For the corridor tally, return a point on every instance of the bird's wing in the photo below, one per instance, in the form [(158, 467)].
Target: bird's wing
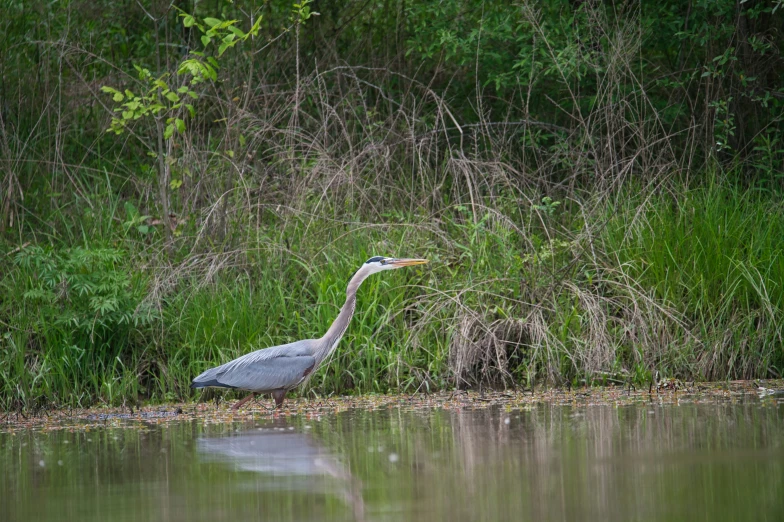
[(269, 369)]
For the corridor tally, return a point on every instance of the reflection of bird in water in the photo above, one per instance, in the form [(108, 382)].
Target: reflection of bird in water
[(282, 454)]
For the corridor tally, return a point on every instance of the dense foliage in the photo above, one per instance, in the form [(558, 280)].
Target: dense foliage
[(597, 184)]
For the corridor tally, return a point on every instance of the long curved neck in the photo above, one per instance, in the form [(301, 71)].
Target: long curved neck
[(339, 326)]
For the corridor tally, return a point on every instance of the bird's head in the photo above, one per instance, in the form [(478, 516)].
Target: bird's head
[(379, 263)]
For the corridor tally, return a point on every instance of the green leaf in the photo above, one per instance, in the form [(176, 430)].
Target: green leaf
[(190, 109), (237, 32), (131, 212), (175, 184), (118, 97), (180, 125), (172, 97), (212, 22), (188, 21), (183, 89), (205, 40), (168, 132), (256, 25)]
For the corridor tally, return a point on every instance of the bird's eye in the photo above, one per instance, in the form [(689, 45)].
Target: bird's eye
[(383, 262)]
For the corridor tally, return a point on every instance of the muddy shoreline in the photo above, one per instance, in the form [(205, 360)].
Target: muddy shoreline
[(668, 393)]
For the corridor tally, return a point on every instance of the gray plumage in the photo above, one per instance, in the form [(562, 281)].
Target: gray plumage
[(278, 369)]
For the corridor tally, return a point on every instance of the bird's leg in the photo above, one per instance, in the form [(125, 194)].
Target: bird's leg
[(279, 395), (243, 401)]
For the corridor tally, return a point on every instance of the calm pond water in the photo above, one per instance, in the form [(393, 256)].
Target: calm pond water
[(645, 462)]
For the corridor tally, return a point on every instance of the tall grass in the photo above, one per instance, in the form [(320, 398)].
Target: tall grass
[(716, 254), (687, 286), (597, 248)]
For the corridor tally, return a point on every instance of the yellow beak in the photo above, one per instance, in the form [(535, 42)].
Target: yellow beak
[(406, 262)]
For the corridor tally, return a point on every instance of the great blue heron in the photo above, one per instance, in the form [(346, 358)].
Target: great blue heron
[(278, 369)]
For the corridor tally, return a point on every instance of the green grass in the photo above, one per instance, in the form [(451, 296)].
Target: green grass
[(688, 286), (716, 255), (596, 229)]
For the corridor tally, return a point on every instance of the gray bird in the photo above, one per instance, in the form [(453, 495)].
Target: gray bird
[(278, 369)]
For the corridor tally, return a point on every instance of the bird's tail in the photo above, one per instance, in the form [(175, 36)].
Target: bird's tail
[(209, 384), (208, 379)]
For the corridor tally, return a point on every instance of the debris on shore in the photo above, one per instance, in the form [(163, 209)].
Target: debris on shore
[(210, 412)]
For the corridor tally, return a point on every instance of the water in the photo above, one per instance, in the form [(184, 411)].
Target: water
[(641, 462)]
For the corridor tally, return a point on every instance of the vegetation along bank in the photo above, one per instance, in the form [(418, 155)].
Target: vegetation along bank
[(598, 188)]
